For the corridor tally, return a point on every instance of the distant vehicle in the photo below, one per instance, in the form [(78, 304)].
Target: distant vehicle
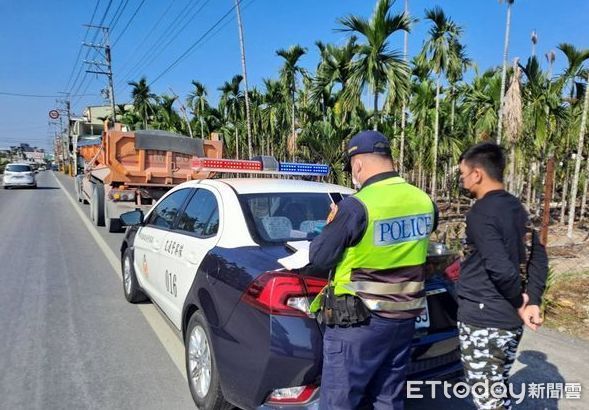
[(16, 175), (42, 168), (206, 254), (126, 170)]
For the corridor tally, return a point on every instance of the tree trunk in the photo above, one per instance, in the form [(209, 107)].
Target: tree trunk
[(402, 143), (504, 71), (529, 185), (375, 109), (294, 136), (511, 183), (573, 200), (585, 186), (202, 128), (563, 199), (236, 144), (436, 136), (453, 110)]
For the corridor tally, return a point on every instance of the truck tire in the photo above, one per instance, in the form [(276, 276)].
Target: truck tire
[(97, 205), (78, 185), (133, 292)]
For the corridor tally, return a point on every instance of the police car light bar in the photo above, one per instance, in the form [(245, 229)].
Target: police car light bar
[(256, 167)]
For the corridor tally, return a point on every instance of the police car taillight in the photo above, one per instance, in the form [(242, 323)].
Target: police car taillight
[(283, 293), (292, 395)]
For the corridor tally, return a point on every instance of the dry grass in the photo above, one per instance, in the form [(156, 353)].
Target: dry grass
[(567, 307)]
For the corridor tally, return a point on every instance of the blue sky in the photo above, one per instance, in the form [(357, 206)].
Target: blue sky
[(40, 41)]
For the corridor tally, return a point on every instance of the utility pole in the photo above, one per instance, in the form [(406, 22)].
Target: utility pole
[(247, 100), (70, 142), (103, 68)]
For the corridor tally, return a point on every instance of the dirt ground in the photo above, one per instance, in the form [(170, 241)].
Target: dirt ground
[(567, 299)]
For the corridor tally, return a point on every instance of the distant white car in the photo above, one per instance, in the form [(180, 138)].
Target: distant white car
[(16, 174)]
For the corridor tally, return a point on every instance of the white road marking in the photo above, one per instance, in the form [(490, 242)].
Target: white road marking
[(167, 337)]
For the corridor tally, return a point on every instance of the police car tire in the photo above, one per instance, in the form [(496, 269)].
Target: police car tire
[(135, 294), (213, 400)]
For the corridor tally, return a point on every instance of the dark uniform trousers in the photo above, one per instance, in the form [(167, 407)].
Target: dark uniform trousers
[(366, 364)]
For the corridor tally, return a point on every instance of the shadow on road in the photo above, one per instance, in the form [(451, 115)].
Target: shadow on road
[(543, 373)]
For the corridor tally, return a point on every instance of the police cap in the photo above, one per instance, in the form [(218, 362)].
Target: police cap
[(366, 142)]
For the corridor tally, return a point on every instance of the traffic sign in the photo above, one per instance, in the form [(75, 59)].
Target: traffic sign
[(54, 114)]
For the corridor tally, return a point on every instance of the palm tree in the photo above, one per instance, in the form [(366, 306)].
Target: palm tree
[(230, 104), (404, 106), (376, 66), (504, 71), (574, 70), (142, 99), (323, 140), (334, 69), (288, 76), (458, 64), (573, 200), (166, 117), (440, 50), (197, 100), (513, 121), (275, 120)]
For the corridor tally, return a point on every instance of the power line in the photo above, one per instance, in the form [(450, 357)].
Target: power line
[(88, 52), (40, 96), (155, 47), (171, 40), (128, 23), (196, 43), (152, 31), (76, 61), (117, 15)]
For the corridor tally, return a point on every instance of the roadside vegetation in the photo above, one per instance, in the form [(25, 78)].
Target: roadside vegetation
[(431, 105)]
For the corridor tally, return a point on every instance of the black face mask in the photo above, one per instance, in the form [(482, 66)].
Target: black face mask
[(464, 192)]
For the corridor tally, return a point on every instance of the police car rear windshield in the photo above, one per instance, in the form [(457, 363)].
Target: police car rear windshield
[(281, 217)]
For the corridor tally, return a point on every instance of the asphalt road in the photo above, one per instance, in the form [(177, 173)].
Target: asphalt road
[(68, 338)]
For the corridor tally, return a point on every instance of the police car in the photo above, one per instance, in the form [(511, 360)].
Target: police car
[(207, 254)]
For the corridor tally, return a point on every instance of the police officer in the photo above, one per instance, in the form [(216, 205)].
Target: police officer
[(374, 246)]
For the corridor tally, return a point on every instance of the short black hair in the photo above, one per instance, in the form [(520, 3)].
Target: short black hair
[(486, 155)]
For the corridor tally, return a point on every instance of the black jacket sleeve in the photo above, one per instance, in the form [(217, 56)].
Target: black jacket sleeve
[(346, 229), (537, 271), (489, 243)]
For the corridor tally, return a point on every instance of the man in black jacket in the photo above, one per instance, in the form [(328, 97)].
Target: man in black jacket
[(493, 303)]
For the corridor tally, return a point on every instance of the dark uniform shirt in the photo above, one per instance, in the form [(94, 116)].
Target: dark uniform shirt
[(489, 289), (346, 230)]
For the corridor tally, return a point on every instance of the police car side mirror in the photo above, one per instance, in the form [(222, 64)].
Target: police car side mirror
[(132, 218)]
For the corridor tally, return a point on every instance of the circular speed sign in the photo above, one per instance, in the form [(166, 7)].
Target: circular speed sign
[(54, 114)]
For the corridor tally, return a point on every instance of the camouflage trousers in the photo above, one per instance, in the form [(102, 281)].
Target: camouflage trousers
[(487, 356)]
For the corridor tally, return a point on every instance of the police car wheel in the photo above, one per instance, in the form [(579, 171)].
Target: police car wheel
[(133, 293), (203, 378)]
